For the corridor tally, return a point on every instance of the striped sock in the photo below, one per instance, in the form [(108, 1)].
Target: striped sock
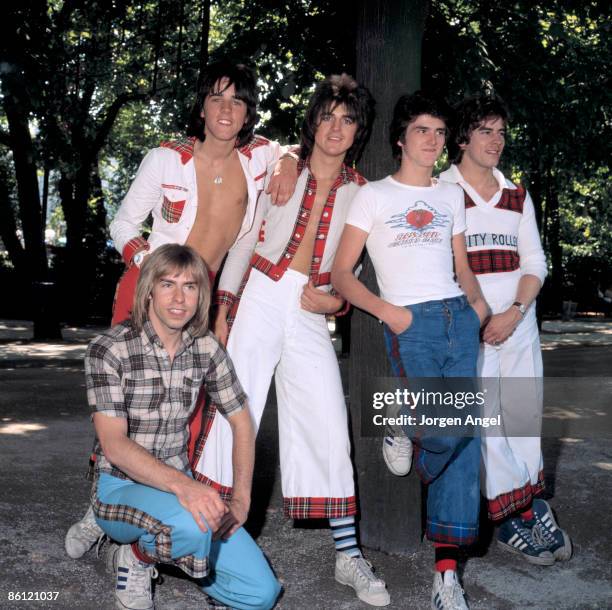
[(446, 556), (345, 535)]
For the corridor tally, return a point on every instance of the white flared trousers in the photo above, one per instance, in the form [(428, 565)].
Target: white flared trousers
[(273, 336), (512, 465)]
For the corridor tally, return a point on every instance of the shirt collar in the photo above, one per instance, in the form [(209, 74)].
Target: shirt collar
[(454, 175), (346, 176), (151, 338)]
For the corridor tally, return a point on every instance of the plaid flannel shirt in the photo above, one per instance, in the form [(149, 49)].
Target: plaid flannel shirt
[(130, 375)]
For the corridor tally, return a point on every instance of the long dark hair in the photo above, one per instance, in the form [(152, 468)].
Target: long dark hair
[(335, 90), (245, 83), (468, 115)]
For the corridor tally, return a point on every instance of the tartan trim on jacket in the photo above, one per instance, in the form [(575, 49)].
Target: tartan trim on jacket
[(252, 144), (451, 533), (135, 245), (493, 261), (506, 504), (319, 508), (183, 146), (222, 297), (171, 211), (191, 565), (511, 199)]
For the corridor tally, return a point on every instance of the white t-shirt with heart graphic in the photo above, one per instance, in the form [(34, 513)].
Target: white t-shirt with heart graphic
[(410, 229)]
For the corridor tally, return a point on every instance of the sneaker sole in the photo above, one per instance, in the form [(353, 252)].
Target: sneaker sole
[(538, 561), (565, 552), (383, 600), (392, 469)]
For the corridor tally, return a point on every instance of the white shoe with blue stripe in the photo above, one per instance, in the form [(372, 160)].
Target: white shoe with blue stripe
[(447, 593), (133, 579)]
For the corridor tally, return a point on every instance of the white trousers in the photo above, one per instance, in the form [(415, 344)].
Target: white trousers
[(273, 336), (512, 465)]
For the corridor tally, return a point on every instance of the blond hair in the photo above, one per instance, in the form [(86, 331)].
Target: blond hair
[(171, 259)]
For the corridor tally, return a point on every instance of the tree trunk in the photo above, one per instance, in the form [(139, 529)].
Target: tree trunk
[(389, 36), (44, 310), (204, 33)]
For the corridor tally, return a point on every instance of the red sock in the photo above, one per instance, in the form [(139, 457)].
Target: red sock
[(527, 515), (140, 554), (446, 556)]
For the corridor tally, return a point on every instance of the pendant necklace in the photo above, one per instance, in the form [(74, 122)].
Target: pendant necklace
[(218, 179)]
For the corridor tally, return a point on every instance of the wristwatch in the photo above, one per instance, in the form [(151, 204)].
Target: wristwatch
[(138, 257), (520, 306)]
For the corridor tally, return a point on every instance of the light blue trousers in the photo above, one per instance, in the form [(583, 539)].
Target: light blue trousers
[(240, 576)]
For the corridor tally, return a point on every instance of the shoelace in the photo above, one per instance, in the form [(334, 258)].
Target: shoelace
[(363, 570), (140, 581), (542, 536), (527, 534), (452, 596), (404, 445), (90, 529), (100, 543)]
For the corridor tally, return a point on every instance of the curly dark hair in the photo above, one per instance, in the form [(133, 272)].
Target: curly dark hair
[(335, 90), (468, 115), (407, 109), (245, 83)]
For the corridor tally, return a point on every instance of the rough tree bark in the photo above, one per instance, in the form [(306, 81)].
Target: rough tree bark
[(389, 36)]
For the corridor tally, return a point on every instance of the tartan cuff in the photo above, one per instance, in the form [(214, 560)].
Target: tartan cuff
[(222, 297), (135, 245)]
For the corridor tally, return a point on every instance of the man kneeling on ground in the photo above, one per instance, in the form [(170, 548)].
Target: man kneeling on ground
[(143, 378)]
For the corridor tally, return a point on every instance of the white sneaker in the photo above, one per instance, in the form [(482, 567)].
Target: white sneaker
[(133, 579), (357, 572), (397, 452), (82, 535), (447, 593)]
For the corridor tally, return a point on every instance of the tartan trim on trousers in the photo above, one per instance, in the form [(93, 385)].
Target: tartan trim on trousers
[(191, 565), (511, 200), (319, 508), (224, 491), (504, 505), (172, 211), (451, 533), (493, 261)]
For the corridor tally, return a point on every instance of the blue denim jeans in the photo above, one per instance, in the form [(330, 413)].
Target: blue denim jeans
[(443, 341)]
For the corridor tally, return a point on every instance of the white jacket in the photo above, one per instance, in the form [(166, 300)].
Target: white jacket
[(165, 186), (277, 232)]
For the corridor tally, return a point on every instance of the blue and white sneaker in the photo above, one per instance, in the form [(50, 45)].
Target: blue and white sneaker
[(548, 533), (515, 536), (397, 453), (133, 579), (447, 593)]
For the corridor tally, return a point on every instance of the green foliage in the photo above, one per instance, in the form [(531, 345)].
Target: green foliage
[(103, 82), (550, 62)]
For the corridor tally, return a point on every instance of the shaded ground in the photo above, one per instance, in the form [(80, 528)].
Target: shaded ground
[(45, 436)]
